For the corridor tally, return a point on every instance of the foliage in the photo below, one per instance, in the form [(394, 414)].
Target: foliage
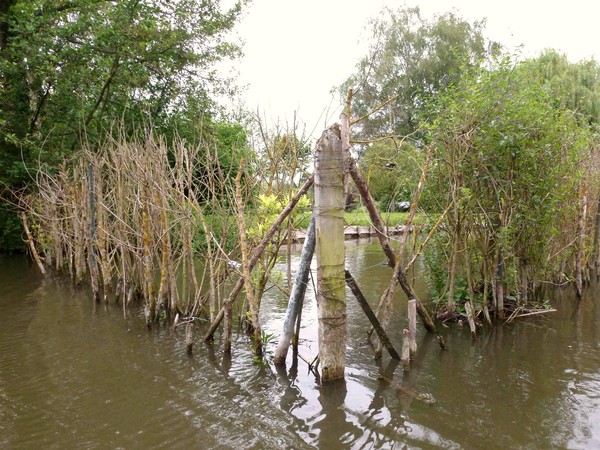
[(509, 166), (412, 60), (574, 86), (70, 69), (391, 171)]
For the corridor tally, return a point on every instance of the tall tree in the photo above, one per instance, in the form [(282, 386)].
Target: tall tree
[(70, 67), (412, 60)]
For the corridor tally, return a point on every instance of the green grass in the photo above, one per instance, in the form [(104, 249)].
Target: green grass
[(360, 217)]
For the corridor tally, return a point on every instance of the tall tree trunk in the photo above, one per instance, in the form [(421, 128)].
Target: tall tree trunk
[(329, 223)]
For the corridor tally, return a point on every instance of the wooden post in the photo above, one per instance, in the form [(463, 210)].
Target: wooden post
[(371, 315), (296, 294), (469, 311), (412, 326), (329, 224), (405, 350)]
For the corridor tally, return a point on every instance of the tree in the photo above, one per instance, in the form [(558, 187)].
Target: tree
[(508, 164), (392, 171), (575, 86), (411, 61), (75, 67)]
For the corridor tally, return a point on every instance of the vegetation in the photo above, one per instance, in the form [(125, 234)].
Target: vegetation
[(411, 61), (70, 69), (502, 154), (514, 155), (514, 170)]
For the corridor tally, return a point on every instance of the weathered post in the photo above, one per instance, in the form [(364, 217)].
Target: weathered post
[(329, 225), (470, 318), (405, 350), (297, 294), (412, 326)]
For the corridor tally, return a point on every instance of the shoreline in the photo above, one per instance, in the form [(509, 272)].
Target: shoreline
[(355, 232)]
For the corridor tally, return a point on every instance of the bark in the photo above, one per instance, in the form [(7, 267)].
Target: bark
[(329, 225), (412, 326)]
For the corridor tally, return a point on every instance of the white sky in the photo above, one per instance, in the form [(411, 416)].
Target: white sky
[(296, 51)]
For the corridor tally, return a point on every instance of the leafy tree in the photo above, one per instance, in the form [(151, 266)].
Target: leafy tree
[(575, 86), (70, 67), (392, 171), (508, 164), (412, 60)]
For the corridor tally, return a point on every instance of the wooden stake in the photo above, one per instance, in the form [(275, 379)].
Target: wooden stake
[(405, 350), (362, 301), (469, 311), (296, 294), (329, 225), (412, 326)]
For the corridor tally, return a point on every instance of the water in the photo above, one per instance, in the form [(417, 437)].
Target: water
[(78, 375)]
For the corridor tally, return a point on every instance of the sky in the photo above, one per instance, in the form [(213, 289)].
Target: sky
[(297, 51)]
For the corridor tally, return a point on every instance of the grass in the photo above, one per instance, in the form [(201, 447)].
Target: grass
[(360, 217)]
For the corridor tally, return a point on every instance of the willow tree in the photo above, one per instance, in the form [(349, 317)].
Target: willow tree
[(508, 163), (411, 60)]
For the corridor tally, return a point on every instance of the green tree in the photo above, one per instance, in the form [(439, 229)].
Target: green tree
[(575, 86), (75, 67), (412, 60), (508, 163)]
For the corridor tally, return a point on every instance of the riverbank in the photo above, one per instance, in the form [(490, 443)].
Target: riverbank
[(355, 232)]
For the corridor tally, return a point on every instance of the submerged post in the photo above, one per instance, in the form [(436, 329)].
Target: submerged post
[(412, 326), (329, 225)]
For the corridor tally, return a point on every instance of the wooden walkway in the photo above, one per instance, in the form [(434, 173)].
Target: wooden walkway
[(356, 232)]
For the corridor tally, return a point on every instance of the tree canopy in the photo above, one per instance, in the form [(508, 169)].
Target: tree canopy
[(412, 60), (75, 67)]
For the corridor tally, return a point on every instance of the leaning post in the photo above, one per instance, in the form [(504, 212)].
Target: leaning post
[(329, 227), (297, 294)]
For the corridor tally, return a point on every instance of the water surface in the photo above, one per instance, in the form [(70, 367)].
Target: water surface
[(78, 375)]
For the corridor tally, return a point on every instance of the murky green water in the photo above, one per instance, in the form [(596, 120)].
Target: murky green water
[(78, 375)]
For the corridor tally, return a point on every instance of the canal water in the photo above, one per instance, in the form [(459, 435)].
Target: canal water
[(78, 375)]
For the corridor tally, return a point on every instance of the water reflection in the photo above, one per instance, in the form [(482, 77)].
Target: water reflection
[(73, 374)]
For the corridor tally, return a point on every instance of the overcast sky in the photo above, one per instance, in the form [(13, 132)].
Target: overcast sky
[(297, 50)]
